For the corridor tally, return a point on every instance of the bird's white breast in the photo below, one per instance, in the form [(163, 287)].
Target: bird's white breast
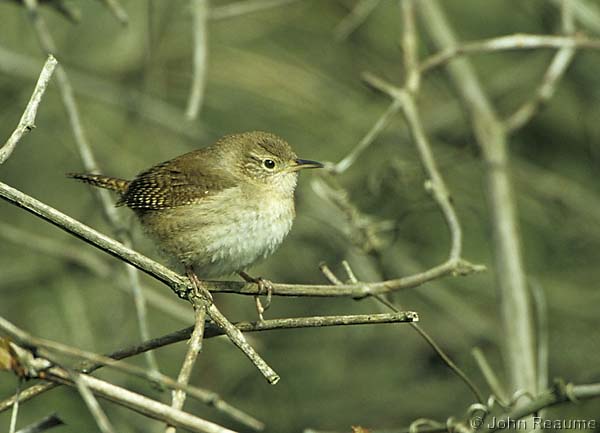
[(225, 234)]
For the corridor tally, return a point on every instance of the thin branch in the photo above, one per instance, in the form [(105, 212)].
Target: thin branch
[(94, 407), (490, 376), (521, 41), (237, 338), (15, 410), (140, 302), (492, 140), (27, 122), (140, 404), (213, 330), (194, 348), (438, 350), (245, 7), (36, 366), (435, 185), (445, 358), (47, 347), (559, 65), (345, 163), (358, 15), (117, 10), (181, 285), (200, 17), (42, 425)]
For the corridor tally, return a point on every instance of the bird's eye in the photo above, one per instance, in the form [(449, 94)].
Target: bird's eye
[(269, 163)]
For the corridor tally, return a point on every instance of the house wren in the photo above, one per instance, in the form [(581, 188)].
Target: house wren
[(219, 209)]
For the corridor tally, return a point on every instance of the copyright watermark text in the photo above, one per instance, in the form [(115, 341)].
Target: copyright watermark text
[(535, 422)]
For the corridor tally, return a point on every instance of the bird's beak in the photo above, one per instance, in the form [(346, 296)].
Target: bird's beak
[(300, 164)]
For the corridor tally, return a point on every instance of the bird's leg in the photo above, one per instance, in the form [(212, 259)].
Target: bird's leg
[(263, 285), (199, 290)]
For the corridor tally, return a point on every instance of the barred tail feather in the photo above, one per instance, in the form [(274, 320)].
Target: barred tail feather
[(107, 182)]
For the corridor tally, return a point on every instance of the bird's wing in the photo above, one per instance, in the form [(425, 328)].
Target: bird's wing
[(176, 183)]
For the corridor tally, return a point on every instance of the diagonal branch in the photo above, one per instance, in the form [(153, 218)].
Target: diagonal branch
[(492, 139), (521, 41), (213, 331), (27, 122), (435, 184), (194, 348)]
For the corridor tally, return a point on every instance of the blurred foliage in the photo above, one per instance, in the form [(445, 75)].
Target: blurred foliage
[(282, 70)]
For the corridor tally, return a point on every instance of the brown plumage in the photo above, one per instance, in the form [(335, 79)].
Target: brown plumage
[(220, 208)]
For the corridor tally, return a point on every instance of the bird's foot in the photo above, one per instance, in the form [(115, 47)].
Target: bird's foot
[(199, 290), (264, 286)]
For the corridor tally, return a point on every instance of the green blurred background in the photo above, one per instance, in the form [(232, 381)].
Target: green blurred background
[(282, 70)]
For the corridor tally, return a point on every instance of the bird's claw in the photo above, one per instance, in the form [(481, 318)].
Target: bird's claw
[(264, 286)]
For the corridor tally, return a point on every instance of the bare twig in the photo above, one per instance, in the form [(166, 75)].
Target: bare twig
[(94, 407), (559, 65), (15, 410), (328, 273), (194, 348), (213, 330), (139, 403), (200, 17), (237, 338), (520, 41), (492, 140), (360, 12), (45, 348), (40, 367), (445, 358), (244, 7), (490, 376), (27, 122), (438, 350), (366, 141), (435, 185)]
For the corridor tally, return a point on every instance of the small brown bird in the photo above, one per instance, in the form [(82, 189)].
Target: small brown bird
[(219, 209)]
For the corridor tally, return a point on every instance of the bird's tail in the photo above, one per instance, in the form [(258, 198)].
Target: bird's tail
[(107, 182)]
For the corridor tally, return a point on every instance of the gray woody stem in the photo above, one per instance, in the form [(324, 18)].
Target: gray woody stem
[(213, 331), (27, 122), (492, 139), (194, 348)]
